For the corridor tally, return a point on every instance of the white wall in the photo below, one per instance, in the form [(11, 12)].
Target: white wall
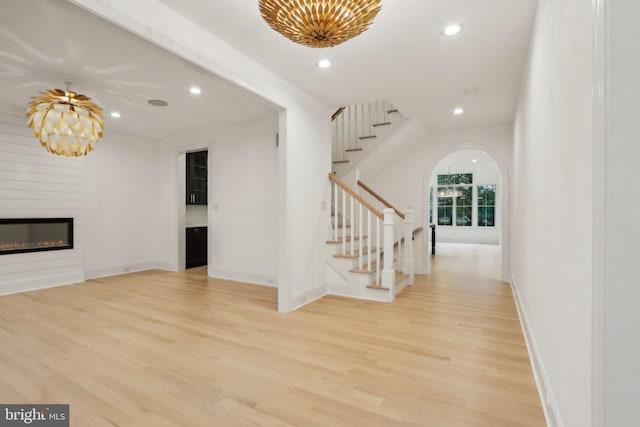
[(36, 184), (621, 290), (305, 136), (244, 203), (121, 192), (552, 207), (405, 180)]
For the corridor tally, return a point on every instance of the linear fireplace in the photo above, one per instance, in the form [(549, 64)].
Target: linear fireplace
[(35, 235)]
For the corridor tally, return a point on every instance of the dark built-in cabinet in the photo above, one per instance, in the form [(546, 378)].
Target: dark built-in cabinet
[(196, 246), (197, 178)]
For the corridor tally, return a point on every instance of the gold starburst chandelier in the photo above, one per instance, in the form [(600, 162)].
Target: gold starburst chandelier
[(319, 23), (65, 122)]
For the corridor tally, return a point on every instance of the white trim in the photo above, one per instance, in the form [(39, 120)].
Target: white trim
[(600, 126), (382, 301), (308, 297), (549, 405), (239, 276), (116, 270), (41, 282)]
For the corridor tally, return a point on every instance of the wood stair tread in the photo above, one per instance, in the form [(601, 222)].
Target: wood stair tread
[(374, 286), (349, 150), (348, 239), (367, 137), (342, 226), (340, 161), (364, 270), (392, 111), (381, 124), (355, 254), (399, 276)]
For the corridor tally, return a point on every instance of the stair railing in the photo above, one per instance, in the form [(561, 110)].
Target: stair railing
[(352, 124), (372, 225), (403, 228)]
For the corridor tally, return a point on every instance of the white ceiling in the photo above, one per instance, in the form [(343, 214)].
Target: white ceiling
[(41, 40), (402, 58)]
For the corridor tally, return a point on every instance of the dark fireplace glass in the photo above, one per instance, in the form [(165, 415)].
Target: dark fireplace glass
[(35, 234)]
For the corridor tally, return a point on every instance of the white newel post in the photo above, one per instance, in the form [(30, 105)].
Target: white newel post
[(407, 266), (388, 275)]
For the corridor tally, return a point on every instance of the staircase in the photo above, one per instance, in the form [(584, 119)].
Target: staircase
[(370, 242), (370, 250), (358, 129)]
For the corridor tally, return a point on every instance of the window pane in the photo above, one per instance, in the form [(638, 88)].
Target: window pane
[(463, 216), (465, 178), (445, 201), (445, 215), (467, 196), (486, 205), (486, 195), (442, 180)]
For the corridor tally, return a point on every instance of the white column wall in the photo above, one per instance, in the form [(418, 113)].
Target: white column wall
[(121, 205), (243, 203), (552, 220), (621, 206)]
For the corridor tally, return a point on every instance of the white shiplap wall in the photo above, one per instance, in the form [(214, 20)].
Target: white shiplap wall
[(36, 184)]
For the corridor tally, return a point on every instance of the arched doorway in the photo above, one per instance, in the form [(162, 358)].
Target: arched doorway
[(466, 196)]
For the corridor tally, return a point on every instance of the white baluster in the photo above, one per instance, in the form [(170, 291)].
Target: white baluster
[(344, 222), (364, 120), (408, 256), (335, 211), (388, 274), (352, 216), (360, 243), (355, 127), (343, 136), (335, 140), (368, 240), (398, 231), (378, 252)]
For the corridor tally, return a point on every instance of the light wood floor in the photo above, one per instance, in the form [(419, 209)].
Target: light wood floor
[(178, 349)]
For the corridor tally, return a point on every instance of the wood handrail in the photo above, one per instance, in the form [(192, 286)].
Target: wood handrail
[(345, 187), (337, 113), (380, 199)]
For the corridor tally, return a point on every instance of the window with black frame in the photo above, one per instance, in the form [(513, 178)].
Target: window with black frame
[(455, 199), (486, 205)]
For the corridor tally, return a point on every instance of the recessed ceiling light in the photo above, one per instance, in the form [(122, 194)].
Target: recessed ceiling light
[(458, 111), (324, 63), (158, 102), (195, 90), (115, 115), (470, 91), (474, 161), (452, 30)]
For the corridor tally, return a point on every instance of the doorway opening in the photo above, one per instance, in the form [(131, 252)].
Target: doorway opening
[(466, 196)]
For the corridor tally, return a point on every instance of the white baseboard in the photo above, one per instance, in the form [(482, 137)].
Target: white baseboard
[(115, 270), (308, 297), (41, 282), (239, 276), (549, 405)]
